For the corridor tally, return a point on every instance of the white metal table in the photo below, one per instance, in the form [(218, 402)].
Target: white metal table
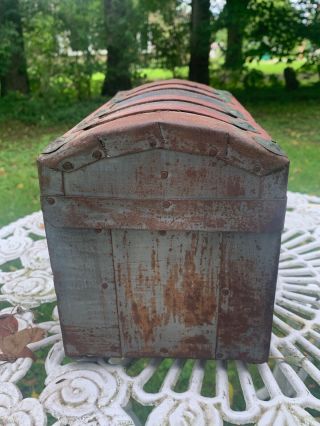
[(284, 391)]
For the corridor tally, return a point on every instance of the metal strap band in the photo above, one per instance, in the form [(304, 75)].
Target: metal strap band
[(202, 215)]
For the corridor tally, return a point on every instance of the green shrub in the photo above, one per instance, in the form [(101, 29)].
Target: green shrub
[(45, 111), (253, 79)]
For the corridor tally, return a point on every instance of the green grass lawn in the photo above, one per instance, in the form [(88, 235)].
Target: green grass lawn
[(266, 66), (274, 66), (21, 141), (19, 191), (295, 126), (152, 74)]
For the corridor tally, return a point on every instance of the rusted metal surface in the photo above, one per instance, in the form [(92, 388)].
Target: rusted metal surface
[(84, 282), (163, 211), (168, 130), (196, 215), (166, 291), (166, 104), (247, 279)]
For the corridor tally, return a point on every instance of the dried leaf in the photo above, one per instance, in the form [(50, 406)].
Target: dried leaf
[(8, 325), (14, 345)]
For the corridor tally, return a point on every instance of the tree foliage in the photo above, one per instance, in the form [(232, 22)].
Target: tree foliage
[(310, 30), (8, 35), (13, 68), (59, 45), (169, 35), (63, 39), (273, 28)]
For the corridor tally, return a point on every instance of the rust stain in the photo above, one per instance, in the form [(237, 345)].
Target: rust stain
[(234, 186), (143, 320), (188, 294), (254, 215), (188, 297), (196, 340), (86, 341), (153, 260), (196, 173)]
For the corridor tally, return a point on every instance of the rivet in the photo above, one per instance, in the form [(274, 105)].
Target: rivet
[(225, 291), (104, 285), (219, 355), (164, 174), (152, 144), (97, 154), (98, 230), (257, 168), (50, 200), (67, 165), (166, 204)]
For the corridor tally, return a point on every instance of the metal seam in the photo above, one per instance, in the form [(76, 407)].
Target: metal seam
[(116, 294)]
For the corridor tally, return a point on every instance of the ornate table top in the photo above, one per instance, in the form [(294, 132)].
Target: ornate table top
[(284, 391)]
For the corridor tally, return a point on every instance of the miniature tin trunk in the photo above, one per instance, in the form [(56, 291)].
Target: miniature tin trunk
[(163, 213)]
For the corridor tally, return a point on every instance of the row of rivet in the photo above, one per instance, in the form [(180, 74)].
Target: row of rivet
[(97, 155), (67, 166)]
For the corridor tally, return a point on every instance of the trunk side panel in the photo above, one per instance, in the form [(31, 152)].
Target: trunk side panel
[(81, 260), (167, 285), (249, 266)]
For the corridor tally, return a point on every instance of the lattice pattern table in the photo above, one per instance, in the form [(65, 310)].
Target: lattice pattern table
[(284, 391)]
